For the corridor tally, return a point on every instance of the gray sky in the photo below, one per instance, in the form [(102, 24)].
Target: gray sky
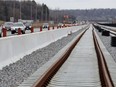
[(78, 4)]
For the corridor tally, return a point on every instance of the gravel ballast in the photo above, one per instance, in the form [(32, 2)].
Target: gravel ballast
[(107, 43), (16, 73)]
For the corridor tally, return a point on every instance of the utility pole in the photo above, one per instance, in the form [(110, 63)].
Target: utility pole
[(6, 11), (46, 13), (31, 10), (20, 9), (36, 11), (42, 12), (14, 10), (56, 15)]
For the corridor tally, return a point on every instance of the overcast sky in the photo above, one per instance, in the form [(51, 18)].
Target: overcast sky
[(78, 4)]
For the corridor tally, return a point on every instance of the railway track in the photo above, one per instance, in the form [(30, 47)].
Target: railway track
[(105, 77), (81, 64), (112, 31)]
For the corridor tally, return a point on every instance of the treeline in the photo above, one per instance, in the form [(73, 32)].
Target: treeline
[(29, 9), (24, 9), (87, 14), (62, 16)]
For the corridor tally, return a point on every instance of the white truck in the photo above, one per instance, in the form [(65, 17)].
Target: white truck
[(45, 25)]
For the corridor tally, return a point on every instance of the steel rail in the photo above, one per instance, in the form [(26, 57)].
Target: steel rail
[(110, 30), (105, 77)]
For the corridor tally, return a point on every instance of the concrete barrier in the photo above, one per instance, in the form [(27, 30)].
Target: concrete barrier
[(15, 47)]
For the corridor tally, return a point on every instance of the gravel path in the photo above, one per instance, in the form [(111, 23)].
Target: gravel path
[(16, 73), (107, 42)]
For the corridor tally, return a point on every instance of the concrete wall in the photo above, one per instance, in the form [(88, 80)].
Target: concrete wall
[(15, 47)]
